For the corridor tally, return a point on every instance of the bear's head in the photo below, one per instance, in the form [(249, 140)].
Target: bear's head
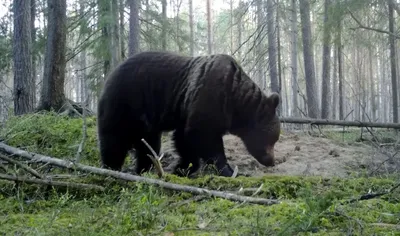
[(260, 139)]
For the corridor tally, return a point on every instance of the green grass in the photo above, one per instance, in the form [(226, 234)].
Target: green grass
[(310, 205)]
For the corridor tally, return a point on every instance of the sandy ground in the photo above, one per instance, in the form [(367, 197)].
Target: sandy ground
[(301, 154)]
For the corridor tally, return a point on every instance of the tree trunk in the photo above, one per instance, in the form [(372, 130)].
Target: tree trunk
[(334, 85), (121, 28), (114, 45), (325, 96), (311, 88), (52, 95), (340, 70), (239, 29), (392, 44), (272, 47), (34, 57), (295, 86), (209, 28), (164, 25), (279, 58), (259, 52), (191, 27), (134, 27), (372, 85), (24, 92)]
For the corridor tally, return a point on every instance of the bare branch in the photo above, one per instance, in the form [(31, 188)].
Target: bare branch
[(124, 176), (360, 25), (25, 167), (51, 183)]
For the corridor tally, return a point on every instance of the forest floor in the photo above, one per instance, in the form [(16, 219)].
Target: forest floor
[(300, 154), (325, 186)]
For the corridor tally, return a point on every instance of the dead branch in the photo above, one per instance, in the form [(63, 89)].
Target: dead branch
[(155, 159), (369, 196), (84, 133), (124, 176), (384, 225), (52, 183), (338, 122), (25, 167)]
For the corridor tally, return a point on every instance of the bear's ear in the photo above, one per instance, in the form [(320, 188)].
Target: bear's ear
[(273, 100)]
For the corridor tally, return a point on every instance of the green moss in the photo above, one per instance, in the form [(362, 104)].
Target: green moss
[(51, 134), (310, 205)]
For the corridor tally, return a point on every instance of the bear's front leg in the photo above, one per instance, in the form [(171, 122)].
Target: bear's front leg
[(195, 144)]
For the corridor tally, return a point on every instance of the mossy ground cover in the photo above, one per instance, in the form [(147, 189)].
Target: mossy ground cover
[(310, 205)]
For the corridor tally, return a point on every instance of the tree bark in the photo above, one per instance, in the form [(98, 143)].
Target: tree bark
[(311, 88), (52, 94), (134, 27), (34, 54), (121, 28), (295, 86), (334, 85), (340, 70), (392, 44), (272, 47), (325, 96), (259, 52), (209, 28), (191, 28), (24, 93), (164, 25)]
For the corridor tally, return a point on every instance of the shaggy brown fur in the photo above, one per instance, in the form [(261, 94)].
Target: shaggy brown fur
[(200, 98)]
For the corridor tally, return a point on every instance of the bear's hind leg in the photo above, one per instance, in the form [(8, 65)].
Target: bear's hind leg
[(113, 150), (213, 153), (143, 162)]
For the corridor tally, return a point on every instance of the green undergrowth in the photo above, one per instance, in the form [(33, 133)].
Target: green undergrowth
[(309, 205)]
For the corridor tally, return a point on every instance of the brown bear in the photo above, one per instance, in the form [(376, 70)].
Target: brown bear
[(199, 98)]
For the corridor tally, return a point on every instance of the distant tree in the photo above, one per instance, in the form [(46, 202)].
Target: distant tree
[(134, 27), (325, 95), (52, 93), (293, 59), (209, 28), (311, 88), (272, 47), (393, 62), (191, 28)]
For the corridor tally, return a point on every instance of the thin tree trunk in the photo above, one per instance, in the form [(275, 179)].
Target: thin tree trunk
[(372, 85), (191, 28), (24, 92), (114, 47), (311, 88), (392, 44), (134, 27), (295, 85), (164, 25), (334, 86), (272, 47), (325, 96), (209, 28), (259, 52), (34, 71), (340, 71), (121, 27)]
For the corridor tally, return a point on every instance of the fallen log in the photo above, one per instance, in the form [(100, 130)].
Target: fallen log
[(34, 157), (310, 121)]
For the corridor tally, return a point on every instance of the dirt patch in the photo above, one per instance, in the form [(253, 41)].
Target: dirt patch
[(298, 154)]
